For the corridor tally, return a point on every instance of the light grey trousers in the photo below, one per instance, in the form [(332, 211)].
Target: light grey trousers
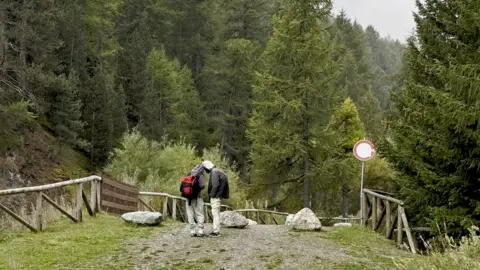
[(195, 213)]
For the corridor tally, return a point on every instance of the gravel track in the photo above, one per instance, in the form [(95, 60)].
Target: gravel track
[(255, 247)]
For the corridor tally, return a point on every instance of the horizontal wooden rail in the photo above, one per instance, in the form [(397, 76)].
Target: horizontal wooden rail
[(262, 211), (383, 197), (161, 194), (49, 186), (378, 210), (81, 198)]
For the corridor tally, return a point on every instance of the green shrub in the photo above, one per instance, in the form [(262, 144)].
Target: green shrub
[(465, 255), (159, 166)]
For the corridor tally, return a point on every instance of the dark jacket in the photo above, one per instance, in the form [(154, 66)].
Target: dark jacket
[(218, 185)]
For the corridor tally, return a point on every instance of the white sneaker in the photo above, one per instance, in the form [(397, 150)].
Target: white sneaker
[(192, 233), (200, 233)]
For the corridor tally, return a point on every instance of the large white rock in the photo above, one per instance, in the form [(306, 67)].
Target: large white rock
[(288, 221), (231, 219), (143, 217), (251, 222), (306, 220)]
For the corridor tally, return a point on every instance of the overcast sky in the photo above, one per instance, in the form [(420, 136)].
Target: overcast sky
[(389, 17)]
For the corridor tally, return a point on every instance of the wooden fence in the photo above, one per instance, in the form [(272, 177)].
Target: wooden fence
[(81, 198), (174, 206), (374, 202), (118, 197)]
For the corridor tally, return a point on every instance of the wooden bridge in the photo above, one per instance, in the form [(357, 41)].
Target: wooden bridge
[(116, 198)]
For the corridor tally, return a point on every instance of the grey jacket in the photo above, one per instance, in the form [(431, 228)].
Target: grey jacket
[(198, 171), (218, 184)]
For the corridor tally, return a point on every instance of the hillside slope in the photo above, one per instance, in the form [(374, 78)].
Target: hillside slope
[(40, 160)]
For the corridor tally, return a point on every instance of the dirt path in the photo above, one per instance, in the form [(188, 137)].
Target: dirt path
[(256, 247)]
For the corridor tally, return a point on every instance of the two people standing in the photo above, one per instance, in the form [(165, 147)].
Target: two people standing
[(218, 189)]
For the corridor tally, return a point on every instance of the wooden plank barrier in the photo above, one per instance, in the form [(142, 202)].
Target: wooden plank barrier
[(375, 203), (92, 206), (174, 207), (117, 197)]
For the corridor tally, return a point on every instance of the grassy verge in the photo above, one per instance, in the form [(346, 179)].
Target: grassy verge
[(73, 246), (465, 255), (369, 249)]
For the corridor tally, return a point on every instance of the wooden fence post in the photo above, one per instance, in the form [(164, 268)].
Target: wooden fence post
[(99, 195), (374, 212), (93, 196), (399, 226), (165, 207), (174, 208), (388, 218), (365, 210), (79, 202), (407, 231), (38, 212)]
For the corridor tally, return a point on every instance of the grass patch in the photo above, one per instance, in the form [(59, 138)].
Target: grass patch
[(69, 245), (372, 249), (457, 256)]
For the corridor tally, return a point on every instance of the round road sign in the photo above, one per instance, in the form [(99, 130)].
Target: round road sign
[(364, 150)]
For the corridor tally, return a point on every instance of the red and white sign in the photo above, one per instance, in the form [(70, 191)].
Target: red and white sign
[(364, 150)]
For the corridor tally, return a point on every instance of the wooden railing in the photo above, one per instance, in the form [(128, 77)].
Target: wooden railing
[(263, 219), (92, 207), (173, 208), (373, 202)]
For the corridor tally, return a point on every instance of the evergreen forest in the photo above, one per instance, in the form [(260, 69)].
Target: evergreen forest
[(275, 92)]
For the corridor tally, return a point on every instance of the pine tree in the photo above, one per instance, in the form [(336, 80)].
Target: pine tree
[(347, 130), (171, 106), (435, 142), (67, 111), (356, 76), (229, 96), (372, 115), (292, 94)]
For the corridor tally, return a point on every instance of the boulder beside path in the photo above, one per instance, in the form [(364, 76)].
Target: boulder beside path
[(143, 218), (231, 219), (304, 220)]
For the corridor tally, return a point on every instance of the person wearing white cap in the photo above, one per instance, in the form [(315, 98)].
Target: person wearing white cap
[(217, 190)]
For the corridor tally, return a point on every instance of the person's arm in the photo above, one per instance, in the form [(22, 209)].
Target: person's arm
[(215, 184), (201, 181)]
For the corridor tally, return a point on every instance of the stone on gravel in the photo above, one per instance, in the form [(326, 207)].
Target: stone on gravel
[(288, 221), (143, 217), (306, 220), (231, 219), (251, 222), (342, 224)]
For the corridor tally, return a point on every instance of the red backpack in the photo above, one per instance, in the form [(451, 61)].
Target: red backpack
[(187, 186)]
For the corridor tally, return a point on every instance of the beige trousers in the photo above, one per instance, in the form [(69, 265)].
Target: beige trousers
[(215, 202)]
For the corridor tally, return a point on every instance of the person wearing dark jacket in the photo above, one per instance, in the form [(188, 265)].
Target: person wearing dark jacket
[(195, 205), (217, 190)]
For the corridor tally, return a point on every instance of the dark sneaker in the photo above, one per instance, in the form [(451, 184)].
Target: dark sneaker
[(214, 234)]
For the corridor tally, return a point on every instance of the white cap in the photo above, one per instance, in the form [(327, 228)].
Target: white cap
[(208, 164)]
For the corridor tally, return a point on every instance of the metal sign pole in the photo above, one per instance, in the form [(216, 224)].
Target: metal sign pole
[(361, 192)]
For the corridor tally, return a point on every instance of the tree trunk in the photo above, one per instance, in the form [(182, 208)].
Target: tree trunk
[(306, 183), (23, 49), (275, 191), (345, 200)]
